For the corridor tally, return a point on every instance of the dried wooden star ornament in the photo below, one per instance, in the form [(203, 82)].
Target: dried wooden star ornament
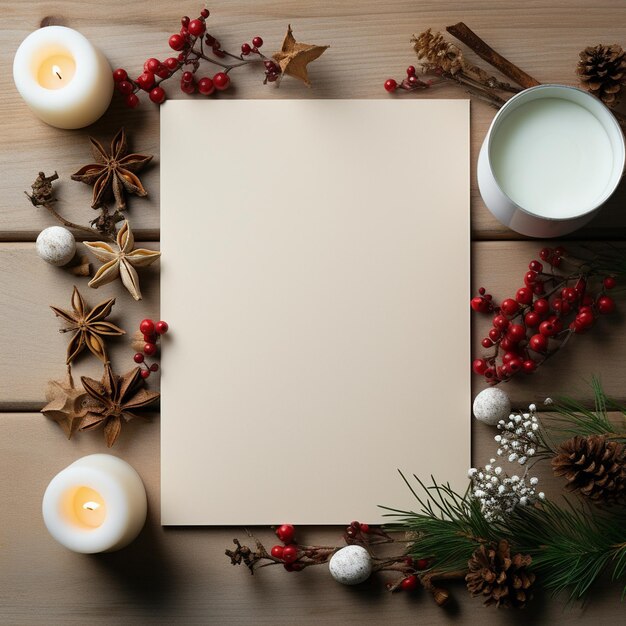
[(121, 262), (89, 326), (114, 172), (116, 398), (294, 57), (67, 405)]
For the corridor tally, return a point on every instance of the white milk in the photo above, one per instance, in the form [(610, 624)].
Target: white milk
[(552, 157)]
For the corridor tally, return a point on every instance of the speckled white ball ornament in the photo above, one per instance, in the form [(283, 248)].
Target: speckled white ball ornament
[(350, 565), (492, 405), (56, 245)]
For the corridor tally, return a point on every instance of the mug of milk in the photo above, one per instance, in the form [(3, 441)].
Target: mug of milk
[(553, 155)]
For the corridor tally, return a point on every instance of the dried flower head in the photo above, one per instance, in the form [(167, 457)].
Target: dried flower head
[(436, 53), (519, 436)]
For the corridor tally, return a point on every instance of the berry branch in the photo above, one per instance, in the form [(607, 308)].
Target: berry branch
[(535, 324), (190, 43)]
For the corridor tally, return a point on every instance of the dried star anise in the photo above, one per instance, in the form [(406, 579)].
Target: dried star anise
[(113, 172), (116, 398), (88, 326)]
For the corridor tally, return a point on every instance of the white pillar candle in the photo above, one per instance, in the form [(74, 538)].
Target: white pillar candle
[(64, 79), (97, 504)]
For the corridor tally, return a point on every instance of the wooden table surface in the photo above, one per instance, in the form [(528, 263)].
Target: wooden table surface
[(178, 575)]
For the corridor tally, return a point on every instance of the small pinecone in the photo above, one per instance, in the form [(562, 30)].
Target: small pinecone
[(602, 71), (594, 466), (437, 52), (502, 579)]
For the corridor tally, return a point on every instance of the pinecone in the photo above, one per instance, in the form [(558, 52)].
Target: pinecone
[(594, 466), (602, 71), (438, 53), (502, 579)]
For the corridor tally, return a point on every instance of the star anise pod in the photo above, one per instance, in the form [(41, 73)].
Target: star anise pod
[(113, 172), (88, 326), (116, 398), (121, 262), (294, 56)]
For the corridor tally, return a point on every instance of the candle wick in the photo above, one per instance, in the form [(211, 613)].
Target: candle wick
[(59, 75)]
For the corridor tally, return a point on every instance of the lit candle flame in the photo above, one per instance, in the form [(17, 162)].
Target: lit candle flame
[(91, 506), (57, 70)]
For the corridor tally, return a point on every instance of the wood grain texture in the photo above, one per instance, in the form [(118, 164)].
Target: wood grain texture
[(180, 575), (369, 42)]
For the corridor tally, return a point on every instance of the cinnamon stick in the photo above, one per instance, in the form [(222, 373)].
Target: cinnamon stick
[(466, 35)]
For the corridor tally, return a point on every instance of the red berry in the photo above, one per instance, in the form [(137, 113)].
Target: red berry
[(516, 332), (561, 306), (144, 373), (391, 85), (277, 552), (205, 13), (131, 100), (609, 282), (507, 344), (559, 251), (138, 358), (489, 373), (146, 81), (479, 366), (524, 295), (538, 343), (486, 342), (184, 20), (532, 319), (157, 95), (535, 266), (125, 87), (154, 367), (529, 366), (545, 254), (205, 86), (286, 533), (539, 288), (569, 293), (530, 278), (547, 329), (494, 334), (161, 327), (499, 321), (606, 305), (422, 563), (365, 528), (509, 306), (188, 88), (508, 357), (542, 306), (556, 261), (410, 71), (245, 49), (171, 63), (585, 319), (119, 75), (514, 365), (150, 349), (480, 305), (177, 42), (146, 326), (151, 65), (290, 553), (221, 81), (409, 583), (257, 41), (196, 28), (187, 77)]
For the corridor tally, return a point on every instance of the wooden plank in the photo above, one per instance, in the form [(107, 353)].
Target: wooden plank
[(369, 42), (180, 575), (33, 350)]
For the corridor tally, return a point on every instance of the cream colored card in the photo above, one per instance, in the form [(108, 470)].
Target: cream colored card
[(315, 276)]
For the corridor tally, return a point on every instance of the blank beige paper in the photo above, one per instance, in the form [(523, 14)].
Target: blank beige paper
[(315, 277)]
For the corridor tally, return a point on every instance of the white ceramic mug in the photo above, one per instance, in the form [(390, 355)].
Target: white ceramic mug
[(553, 155)]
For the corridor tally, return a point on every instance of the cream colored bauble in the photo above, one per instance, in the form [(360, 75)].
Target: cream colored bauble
[(351, 565), (492, 405), (56, 245)]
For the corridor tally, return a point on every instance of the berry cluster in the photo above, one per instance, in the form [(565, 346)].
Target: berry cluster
[(289, 552), (534, 324), (151, 332), (410, 83), (191, 44)]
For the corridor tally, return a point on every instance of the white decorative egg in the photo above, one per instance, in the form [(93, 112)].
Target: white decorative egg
[(492, 405), (56, 245), (350, 565)]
